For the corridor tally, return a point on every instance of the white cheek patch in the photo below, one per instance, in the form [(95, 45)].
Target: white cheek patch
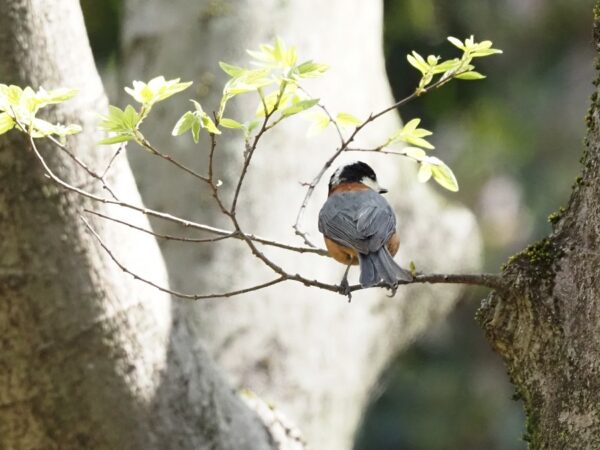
[(335, 178), (371, 183)]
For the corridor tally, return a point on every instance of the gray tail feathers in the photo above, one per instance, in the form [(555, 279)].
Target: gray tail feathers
[(380, 266)]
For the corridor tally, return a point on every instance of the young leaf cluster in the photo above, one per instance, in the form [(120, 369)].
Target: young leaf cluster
[(429, 166), (276, 78), (124, 123), (19, 107), (460, 68)]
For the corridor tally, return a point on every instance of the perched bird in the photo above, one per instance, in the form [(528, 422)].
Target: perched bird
[(359, 226)]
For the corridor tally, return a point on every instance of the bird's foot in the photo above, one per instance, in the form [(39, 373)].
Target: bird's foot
[(344, 289), (392, 290)]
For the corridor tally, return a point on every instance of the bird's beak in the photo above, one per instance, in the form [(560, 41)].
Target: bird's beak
[(382, 190)]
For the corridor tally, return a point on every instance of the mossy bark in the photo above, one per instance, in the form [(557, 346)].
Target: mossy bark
[(546, 324)]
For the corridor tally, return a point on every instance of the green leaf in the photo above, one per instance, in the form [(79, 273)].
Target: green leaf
[(184, 123), (12, 94), (310, 69), (54, 96), (345, 119), (116, 139), (300, 106), (412, 268), (414, 153), (417, 141), (251, 125), (269, 101), (131, 118), (451, 64), (196, 126), (456, 42), (471, 75), (209, 125), (424, 173), (443, 175), (487, 52), (66, 130), (156, 90), (432, 60), (418, 62), (6, 123), (411, 126), (277, 55), (230, 123), (115, 121), (230, 69), (319, 121), (412, 135)]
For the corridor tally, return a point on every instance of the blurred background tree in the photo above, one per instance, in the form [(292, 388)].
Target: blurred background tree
[(513, 142)]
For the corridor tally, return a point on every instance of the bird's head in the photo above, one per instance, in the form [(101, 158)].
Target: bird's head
[(355, 172)]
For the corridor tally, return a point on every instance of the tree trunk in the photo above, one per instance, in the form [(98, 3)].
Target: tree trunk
[(309, 351), (89, 358), (546, 324)]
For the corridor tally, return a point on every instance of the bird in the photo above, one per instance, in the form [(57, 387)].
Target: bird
[(359, 227)]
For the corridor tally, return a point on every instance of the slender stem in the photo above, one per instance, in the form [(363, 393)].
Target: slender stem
[(84, 166), (162, 215), (170, 291), (344, 146), (487, 280), (167, 237), (114, 157), (250, 151), (144, 142)]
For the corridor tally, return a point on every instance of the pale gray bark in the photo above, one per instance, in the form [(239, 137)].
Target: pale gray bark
[(89, 358), (310, 352), (546, 325)]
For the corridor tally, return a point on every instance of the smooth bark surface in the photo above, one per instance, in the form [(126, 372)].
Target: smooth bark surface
[(89, 358), (312, 354), (546, 325)]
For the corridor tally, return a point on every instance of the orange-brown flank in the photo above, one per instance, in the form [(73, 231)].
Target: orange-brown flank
[(347, 255)]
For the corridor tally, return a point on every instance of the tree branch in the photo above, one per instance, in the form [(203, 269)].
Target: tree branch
[(344, 143), (170, 291), (166, 216), (487, 280)]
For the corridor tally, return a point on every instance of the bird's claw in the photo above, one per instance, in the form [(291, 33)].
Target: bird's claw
[(345, 289), (392, 290)]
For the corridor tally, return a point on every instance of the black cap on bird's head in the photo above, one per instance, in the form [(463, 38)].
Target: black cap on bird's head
[(355, 172)]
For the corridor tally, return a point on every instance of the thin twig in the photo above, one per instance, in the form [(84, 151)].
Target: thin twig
[(167, 237), (110, 163), (250, 152), (144, 142), (162, 215), (327, 113), (487, 280), (83, 165), (170, 291), (344, 145)]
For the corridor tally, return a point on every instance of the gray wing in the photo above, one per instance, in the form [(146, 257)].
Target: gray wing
[(361, 220)]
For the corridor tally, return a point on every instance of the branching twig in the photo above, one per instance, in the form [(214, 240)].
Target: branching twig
[(250, 151), (344, 146), (112, 160), (162, 215), (487, 280), (144, 142), (166, 237), (170, 291), (84, 166)]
